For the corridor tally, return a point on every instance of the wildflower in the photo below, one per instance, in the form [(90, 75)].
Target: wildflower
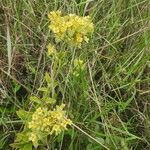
[(71, 28), (79, 38), (60, 120), (54, 14), (33, 137), (48, 122), (51, 49)]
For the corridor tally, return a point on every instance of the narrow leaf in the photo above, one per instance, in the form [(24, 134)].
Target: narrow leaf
[(35, 99), (47, 78)]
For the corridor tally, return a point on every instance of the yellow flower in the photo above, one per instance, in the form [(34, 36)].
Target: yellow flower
[(56, 129), (51, 49), (71, 28), (31, 125), (69, 24), (48, 121), (54, 14), (33, 137), (39, 111), (79, 38), (61, 122), (55, 29)]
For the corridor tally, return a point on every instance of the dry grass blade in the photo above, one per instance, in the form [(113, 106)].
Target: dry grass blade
[(9, 49)]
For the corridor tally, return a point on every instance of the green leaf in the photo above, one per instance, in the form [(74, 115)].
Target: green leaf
[(27, 146), (22, 145), (24, 115), (22, 137), (49, 100), (22, 141), (43, 89), (17, 87), (47, 78), (35, 99)]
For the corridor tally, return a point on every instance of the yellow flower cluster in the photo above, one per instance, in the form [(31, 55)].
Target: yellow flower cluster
[(71, 28), (33, 137), (48, 122)]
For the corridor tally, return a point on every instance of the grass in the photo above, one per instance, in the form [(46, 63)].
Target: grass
[(110, 103)]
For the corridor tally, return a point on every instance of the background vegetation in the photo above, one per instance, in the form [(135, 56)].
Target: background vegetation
[(110, 101)]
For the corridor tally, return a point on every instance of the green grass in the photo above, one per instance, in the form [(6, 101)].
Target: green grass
[(110, 103)]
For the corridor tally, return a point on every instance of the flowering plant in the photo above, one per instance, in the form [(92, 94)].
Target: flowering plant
[(46, 119), (71, 28)]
